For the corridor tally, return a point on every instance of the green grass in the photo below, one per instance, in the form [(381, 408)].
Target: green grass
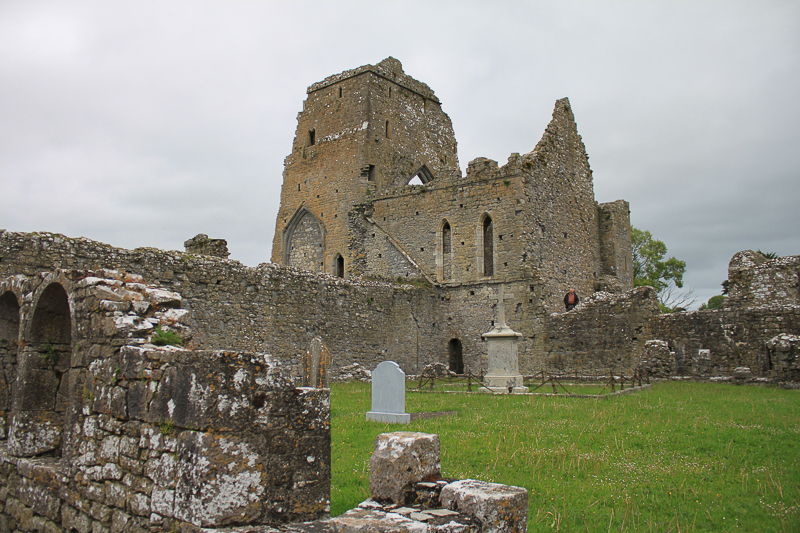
[(678, 457)]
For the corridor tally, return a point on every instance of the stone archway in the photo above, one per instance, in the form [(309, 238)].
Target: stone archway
[(304, 241), (40, 399)]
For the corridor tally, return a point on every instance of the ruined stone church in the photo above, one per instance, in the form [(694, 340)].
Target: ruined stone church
[(373, 188), (383, 250)]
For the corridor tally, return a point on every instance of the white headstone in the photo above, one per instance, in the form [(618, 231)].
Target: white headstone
[(389, 394)]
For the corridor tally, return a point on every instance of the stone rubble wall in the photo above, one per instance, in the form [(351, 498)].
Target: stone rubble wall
[(203, 245), (715, 342), (763, 303), (756, 281), (605, 333), (407, 494)]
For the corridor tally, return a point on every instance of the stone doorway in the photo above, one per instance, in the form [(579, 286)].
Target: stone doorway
[(455, 356)]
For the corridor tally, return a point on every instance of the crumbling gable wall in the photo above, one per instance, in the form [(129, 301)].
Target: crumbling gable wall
[(533, 217), (106, 431)]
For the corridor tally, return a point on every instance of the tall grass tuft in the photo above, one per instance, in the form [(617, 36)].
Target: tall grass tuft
[(683, 457)]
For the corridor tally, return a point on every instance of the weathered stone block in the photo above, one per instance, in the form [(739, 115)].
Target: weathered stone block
[(401, 459), (501, 508)]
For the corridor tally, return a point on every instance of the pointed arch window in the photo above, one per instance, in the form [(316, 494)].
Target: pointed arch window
[(304, 241)]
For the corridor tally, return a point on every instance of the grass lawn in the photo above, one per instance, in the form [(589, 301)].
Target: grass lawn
[(677, 457)]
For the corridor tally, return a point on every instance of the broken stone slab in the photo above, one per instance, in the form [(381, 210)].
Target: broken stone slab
[(501, 508), (361, 520), (400, 460)]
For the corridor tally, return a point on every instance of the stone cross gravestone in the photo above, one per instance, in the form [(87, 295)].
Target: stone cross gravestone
[(503, 375), (316, 362), (389, 394)]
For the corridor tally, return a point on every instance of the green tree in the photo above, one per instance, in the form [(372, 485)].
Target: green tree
[(715, 302), (665, 276)]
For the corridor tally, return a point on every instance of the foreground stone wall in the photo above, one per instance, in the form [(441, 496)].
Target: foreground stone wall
[(104, 431), (143, 454)]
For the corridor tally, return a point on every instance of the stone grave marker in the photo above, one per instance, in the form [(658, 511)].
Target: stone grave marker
[(316, 362), (389, 394)]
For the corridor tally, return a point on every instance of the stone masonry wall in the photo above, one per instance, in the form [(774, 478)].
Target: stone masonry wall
[(717, 341), (763, 303), (271, 308)]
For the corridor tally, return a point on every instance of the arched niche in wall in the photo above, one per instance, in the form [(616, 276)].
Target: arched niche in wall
[(444, 252), (40, 399), (304, 241), (9, 346), (485, 246)]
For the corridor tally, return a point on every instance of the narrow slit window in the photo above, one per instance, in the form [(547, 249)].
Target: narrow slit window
[(488, 247), (312, 137)]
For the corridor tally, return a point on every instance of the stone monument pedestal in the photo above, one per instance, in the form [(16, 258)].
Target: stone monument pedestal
[(503, 375)]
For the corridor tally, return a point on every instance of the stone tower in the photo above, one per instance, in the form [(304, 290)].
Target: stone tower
[(361, 132)]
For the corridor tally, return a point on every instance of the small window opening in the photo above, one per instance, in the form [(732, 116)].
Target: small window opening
[(368, 172), (340, 92), (388, 130), (422, 176), (312, 137)]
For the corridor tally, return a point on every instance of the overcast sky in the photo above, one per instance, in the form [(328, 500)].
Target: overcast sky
[(144, 123)]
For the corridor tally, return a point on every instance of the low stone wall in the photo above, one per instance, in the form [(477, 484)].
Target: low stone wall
[(715, 342)]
